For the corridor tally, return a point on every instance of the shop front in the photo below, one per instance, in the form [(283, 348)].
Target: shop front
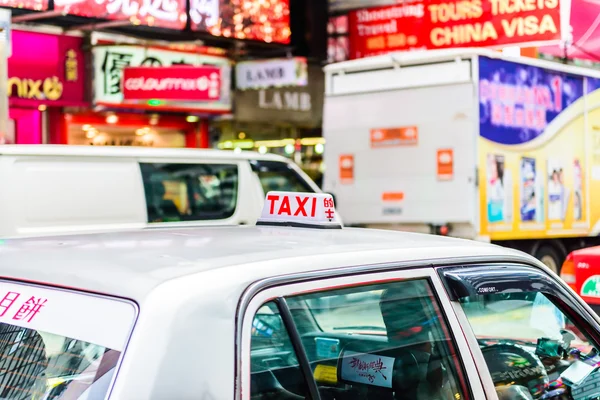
[(149, 96), (46, 74), (283, 120)]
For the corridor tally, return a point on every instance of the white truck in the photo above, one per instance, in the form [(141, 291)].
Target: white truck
[(468, 143)]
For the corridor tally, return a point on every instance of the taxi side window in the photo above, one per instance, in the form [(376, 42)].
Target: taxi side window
[(532, 347), (275, 370), (190, 192), (384, 341)]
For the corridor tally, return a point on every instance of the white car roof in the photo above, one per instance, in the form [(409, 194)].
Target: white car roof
[(131, 264), (132, 151)]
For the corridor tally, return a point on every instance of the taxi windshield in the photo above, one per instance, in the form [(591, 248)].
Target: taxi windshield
[(39, 365)]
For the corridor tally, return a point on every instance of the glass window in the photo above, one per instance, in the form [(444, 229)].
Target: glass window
[(39, 365), (380, 341), (275, 370), (190, 192), (279, 176), (532, 348)]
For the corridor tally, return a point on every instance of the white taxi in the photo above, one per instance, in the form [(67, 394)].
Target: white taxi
[(297, 307)]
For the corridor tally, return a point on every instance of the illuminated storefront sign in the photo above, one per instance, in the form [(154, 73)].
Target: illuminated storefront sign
[(264, 20), (111, 61), (441, 24), (37, 5), (160, 13), (52, 74), (269, 73)]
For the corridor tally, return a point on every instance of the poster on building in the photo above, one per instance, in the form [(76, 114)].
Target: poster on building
[(53, 74), (162, 14), (263, 20), (439, 24), (110, 62), (532, 127)]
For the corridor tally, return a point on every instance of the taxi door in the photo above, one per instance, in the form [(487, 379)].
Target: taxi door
[(528, 333), (380, 335)]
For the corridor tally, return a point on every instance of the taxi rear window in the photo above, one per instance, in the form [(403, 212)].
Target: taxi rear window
[(59, 345)]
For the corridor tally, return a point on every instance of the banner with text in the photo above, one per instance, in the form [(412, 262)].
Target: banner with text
[(439, 24), (172, 83)]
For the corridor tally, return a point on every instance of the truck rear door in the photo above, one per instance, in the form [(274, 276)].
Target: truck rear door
[(401, 144)]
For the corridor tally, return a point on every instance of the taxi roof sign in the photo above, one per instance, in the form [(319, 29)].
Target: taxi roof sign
[(316, 210)]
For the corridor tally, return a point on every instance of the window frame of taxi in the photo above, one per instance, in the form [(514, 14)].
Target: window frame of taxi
[(63, 297), (290, 286)]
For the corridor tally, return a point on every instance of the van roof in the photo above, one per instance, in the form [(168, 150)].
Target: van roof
[(403, 58), (130, 151), (131, 264)]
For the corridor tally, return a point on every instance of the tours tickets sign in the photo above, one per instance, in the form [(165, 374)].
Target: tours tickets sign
[(438, 24)]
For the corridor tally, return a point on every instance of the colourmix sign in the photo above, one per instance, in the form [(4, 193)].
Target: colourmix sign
[(439, 24), (172, 83)]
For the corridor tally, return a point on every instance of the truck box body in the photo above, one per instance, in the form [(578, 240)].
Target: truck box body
[(496, 148)]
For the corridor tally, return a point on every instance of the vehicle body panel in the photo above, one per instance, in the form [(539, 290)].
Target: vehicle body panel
[(64, 189)]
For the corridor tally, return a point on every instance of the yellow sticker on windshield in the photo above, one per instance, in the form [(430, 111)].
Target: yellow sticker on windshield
[(326, 374)]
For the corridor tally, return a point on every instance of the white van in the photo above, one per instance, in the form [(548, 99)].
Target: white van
[(50, 189)]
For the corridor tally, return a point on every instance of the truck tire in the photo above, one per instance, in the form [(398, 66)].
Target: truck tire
[(550, 257)]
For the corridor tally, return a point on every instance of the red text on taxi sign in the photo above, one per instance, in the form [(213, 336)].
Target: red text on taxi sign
[(299, 209)]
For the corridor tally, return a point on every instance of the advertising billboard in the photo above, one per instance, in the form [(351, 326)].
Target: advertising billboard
[(439, 24), (162, 14), (262, 20), (163, 76), (539, 151)]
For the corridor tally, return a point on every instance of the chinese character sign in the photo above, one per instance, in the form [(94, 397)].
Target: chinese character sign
[(438, 24), (264, 20), (368, 369), (160, 13), (110, 63)]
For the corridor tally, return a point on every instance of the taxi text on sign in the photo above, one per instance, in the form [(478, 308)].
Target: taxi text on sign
[(299, 208), (438, 24)]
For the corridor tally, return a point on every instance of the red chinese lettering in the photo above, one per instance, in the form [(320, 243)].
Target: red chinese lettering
[(7, 302), (285, 206), (29, 309), (301, 205), (272, 198)]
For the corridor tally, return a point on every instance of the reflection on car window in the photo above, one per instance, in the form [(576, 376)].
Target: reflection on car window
[(533, 348), (273, 359), (278, 176), (378, 341), (190, 192), (40, 365)]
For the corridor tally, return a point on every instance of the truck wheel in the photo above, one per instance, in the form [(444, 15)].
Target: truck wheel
[(550, 257)]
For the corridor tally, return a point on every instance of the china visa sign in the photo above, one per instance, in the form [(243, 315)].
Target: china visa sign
[(438, 24), (518, 101)]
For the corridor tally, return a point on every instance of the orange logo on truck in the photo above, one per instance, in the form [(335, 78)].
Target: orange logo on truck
[(391, 137), (445, 164), (346, 168)]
